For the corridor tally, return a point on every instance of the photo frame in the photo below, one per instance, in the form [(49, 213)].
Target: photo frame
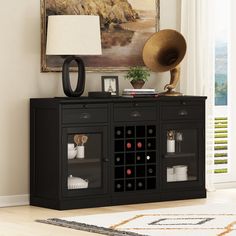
[(122, 39), (110, 84)]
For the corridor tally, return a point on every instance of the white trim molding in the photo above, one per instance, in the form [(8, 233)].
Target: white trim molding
[(14, 200), (225, 185)]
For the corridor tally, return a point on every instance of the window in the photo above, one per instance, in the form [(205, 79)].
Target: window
[(221, 153)]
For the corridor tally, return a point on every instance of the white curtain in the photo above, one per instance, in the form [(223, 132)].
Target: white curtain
[(197, 69)]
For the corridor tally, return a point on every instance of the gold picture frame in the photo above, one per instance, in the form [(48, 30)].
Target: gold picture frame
[(121, 42)]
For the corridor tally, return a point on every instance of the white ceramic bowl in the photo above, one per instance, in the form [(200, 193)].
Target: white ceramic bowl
[(76, 182), (180, 169)]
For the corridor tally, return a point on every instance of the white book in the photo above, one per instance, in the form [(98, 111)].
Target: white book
[(139, 90)]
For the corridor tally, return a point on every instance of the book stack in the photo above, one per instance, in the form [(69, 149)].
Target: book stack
[(131, 93)]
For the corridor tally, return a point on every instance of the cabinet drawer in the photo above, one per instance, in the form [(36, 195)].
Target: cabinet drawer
[(135, 112), (183, 111), (85, 115)]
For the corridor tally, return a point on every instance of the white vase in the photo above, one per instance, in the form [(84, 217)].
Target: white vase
[(71, 151), (80, 151), (170, 146)]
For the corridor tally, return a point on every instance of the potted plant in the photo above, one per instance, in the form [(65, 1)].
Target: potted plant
[(137, 76)]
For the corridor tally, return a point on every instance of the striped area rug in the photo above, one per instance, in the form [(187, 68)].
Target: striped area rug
[(209, 220)]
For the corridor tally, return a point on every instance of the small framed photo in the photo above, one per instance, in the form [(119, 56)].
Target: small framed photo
[(110, 84)]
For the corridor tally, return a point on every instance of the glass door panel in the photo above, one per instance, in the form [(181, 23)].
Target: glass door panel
[(85, 158), (181, 152), (182, 171)]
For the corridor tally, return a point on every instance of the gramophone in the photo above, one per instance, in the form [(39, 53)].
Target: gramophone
[(164, 51)]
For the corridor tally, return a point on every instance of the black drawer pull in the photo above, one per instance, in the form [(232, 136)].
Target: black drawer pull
[(85, 116), (135, 114), (183, 113)]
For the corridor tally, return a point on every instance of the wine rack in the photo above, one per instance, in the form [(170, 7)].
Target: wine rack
[(135, 158)]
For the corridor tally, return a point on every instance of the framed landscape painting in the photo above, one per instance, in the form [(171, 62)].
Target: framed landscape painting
[(125, 27)]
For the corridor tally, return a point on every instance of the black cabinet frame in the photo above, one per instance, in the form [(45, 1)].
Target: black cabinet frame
[(176, 159), (95, 129), (53, 119)]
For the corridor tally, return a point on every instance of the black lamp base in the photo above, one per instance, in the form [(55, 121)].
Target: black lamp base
[(66, 77)]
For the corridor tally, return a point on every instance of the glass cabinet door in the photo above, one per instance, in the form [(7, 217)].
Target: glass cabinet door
[(182, 155), (85, 160)]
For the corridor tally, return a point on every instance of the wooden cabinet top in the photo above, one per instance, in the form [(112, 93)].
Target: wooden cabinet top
[(67, 100)]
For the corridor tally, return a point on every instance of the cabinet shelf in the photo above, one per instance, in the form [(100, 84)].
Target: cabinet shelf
[(190, 179), (138, 178), (180, 155), (84, 161), (139, 164), (136, 151), (134, 138)]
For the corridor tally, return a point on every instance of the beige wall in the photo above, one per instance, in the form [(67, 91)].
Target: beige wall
[(21, 79)]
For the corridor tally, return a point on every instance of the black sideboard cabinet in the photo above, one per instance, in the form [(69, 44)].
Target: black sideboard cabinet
[(130, 150)]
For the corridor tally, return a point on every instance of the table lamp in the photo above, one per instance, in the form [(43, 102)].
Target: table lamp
[(73, 35)]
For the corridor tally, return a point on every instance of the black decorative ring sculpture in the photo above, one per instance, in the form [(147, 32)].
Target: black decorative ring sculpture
[(66, 77)]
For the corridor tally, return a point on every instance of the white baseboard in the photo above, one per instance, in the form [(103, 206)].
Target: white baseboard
[(14, 200), (225, 185)]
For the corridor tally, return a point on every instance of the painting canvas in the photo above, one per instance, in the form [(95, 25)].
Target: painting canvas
[(125, 27)]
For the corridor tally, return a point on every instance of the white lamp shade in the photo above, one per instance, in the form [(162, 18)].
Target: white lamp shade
[(73, 35)]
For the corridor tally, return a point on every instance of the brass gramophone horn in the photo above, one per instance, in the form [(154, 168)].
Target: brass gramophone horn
[(163, 51)]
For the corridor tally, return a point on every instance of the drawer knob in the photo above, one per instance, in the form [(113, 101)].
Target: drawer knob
[(135, 114), (85, 116), (183, 113)]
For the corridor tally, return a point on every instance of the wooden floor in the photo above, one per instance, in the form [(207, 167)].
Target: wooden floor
[(20, 221)]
